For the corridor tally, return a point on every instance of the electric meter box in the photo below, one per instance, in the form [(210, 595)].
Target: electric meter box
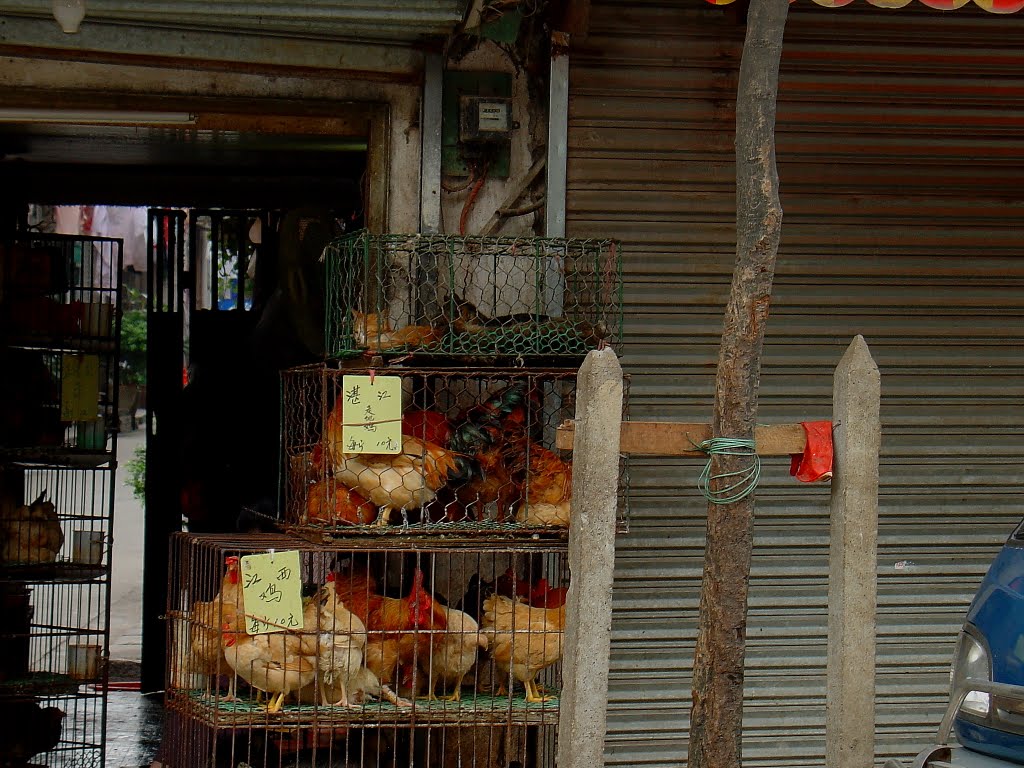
[(486, 119)]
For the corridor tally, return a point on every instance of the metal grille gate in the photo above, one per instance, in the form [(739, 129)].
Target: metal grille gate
[(900, 166)]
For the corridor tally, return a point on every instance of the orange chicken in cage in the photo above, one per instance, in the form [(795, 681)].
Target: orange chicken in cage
[(524, 640), (404, 481)]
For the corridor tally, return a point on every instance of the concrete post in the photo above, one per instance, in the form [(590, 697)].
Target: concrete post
[(582, 716), (852, 596)]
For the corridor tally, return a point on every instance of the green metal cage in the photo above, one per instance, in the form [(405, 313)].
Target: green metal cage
[(472, 297)]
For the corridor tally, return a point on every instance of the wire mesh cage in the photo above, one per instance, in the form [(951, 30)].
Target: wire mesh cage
[(472, 296), (418, 645), (60, 318), (472, 451), (54, 586)]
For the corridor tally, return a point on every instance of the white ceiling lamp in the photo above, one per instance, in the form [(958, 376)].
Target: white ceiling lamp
[(69, 14), (94, 117)]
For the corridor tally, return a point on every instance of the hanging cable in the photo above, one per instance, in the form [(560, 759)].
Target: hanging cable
[(745, 479), (471, 200)]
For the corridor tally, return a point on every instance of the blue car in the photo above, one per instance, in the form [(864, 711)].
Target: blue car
[(986, 707)]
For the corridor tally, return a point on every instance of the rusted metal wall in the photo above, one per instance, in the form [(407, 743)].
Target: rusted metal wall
[(901, 159)]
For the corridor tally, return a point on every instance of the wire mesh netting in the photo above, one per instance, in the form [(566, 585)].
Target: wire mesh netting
[(59, 326), (54, 583), (474, 450), (441, 651), (472, 296)]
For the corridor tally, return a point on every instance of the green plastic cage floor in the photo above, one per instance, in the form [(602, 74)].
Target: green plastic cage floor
[(472, 708)]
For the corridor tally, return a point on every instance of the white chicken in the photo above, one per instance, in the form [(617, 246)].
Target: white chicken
[(338, 654)]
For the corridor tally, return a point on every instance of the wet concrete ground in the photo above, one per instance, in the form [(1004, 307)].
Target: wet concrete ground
[(134, 726)]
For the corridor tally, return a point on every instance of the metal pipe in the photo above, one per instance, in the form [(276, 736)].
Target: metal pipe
[(558, 142), (430, 145)]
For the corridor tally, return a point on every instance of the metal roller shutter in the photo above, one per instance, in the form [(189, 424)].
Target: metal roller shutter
[(901, 159)]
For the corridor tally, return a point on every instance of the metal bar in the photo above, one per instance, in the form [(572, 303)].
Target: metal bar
[(430, 145), (242, 265), (214, 252), (670, 438), (558, 132)]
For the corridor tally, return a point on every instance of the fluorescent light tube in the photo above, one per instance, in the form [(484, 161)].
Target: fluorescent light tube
[(94, 117)]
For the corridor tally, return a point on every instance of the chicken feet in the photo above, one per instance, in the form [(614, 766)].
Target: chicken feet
[(533, 694)]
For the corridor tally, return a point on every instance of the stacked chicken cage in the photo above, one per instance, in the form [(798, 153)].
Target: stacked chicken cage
[(427, 506), (389, 652), (60, 309)]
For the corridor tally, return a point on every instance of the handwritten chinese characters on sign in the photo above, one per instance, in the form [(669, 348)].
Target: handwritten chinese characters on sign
[(372, 414), (79, 387), (271, 592)]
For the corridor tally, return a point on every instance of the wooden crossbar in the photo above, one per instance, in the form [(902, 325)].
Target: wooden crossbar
[(671, 438)]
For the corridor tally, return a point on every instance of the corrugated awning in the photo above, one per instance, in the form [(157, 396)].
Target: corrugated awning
[(992, 6)]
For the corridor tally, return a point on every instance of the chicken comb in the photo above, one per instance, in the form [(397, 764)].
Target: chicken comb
[(332, 577)]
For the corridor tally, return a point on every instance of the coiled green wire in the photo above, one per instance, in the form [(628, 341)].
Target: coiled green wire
[(746, 479)]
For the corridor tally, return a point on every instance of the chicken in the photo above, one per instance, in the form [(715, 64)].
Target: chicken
[(31, 533), (26, 730), (340, 645), (543, 595), (375, 333), (452, 653), (510, 585), (523, 641), (206, 654), (390, 621), (484, 440), (332, 503), (404, 481), (548, 489), (426, 425), (276, 663), (468, 320)]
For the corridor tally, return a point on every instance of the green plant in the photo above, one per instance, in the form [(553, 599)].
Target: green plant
[(137, 474), (133, 346)]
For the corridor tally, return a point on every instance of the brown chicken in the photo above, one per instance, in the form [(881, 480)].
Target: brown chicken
[(31, 533), (27, 730), (276, 663), (332, 503), (523, 640), (375, 333), (452, 653), (206, 653), (208, 621), (390, 622), (548, 489), (405, 481)]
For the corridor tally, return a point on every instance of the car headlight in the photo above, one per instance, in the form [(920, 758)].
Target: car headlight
[(971, 661)]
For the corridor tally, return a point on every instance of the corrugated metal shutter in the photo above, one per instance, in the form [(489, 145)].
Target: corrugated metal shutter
[(901, 160)]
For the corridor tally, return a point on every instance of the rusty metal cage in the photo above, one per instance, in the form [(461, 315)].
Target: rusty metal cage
[(54, 588), (415, 651), (456, 296), (60, 316), (478, 453)]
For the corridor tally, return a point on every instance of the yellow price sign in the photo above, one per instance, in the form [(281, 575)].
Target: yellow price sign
[(371, 414), (79, 387), (271, 592)]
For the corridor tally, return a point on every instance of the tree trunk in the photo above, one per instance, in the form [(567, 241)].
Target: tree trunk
[(716, 719)]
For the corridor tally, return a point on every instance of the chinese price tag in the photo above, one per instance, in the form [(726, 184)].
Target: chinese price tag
[(372, 414), (271, 592), (79, 387)]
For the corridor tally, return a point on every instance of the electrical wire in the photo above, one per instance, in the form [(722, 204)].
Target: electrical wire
[(746, 479), (471, 200)]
